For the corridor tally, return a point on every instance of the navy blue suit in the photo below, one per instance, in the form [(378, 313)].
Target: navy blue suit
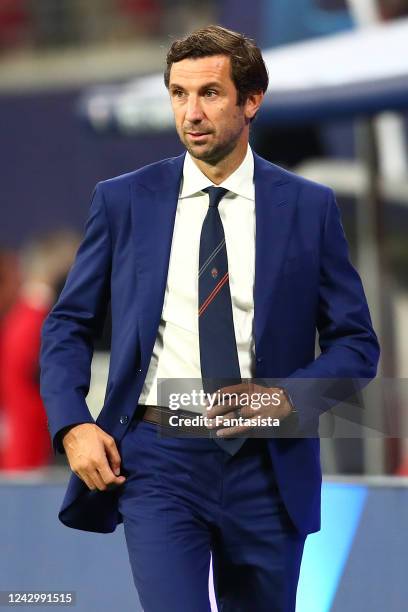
[(303, 281)]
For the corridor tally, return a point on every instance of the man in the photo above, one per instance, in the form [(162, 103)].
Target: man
[(156, 245)]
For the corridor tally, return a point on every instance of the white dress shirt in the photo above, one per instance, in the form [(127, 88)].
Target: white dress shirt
[(176, 353)]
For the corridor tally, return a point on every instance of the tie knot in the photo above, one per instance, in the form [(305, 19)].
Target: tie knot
[(216, 194)]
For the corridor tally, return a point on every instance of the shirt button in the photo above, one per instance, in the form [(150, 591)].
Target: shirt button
[(123, 419)]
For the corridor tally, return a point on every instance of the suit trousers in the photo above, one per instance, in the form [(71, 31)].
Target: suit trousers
[(185, 500)]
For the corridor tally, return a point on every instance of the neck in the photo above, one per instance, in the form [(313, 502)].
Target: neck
[(217, 173)]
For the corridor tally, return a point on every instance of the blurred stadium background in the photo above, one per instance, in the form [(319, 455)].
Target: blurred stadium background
[(79, 82)]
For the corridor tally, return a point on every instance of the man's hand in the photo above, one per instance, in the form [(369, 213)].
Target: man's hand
[(93, 456), (269, 401)]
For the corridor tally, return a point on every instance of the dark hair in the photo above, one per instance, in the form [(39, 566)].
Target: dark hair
[(248, 70)]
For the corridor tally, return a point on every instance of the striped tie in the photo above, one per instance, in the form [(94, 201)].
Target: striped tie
[(218, 347)]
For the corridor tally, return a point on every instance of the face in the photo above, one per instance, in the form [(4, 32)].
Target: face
[(209, 122)]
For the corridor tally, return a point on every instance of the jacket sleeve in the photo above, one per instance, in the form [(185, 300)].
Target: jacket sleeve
[(69, 330), (348, 343)]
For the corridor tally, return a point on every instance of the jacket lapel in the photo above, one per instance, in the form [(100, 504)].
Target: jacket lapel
[(275, 198), (154, 202)]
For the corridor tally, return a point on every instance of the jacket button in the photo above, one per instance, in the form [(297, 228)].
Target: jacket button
[(123, 419), (259, 360)]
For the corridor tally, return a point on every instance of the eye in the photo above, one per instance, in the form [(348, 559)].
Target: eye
[(210, 93), (177, 93)]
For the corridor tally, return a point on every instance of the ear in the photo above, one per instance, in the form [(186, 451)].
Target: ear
[(252, 104)]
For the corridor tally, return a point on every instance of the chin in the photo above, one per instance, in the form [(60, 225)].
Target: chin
[(199, 152), (211, 155)]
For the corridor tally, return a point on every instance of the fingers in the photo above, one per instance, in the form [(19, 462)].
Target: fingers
[(228, 426), (100, 479), (231, 401), (228, 432), (87, 480), (107, 476), (224, 426), (232, 393), (97, 481), (222, 409), (94, 457), (230, 410), (112, 454), (247, 396)]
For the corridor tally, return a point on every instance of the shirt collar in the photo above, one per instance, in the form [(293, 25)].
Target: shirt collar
[(240, 182)]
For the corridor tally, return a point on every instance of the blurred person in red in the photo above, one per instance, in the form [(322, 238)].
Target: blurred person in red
[(393, 9), (9, 280), (15, 24), (9, 286), (44, 263), (143, 16)]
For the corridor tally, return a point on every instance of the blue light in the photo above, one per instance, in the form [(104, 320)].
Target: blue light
[(326, 552)]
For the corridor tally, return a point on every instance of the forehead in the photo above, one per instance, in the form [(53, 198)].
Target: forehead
[(202, 69)]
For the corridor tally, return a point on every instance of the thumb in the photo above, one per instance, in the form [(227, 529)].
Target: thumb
[(112, 455)]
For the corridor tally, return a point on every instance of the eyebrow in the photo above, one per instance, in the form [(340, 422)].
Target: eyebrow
[(206, 86)]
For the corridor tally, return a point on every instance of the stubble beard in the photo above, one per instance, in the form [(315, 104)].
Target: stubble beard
[(215, 153)]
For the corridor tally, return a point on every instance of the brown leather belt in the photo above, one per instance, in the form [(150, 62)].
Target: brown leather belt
[(160, 415)]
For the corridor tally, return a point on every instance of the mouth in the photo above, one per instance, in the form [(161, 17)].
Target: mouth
[(198, 135)]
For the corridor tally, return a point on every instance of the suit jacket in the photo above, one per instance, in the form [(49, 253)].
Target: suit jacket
[(304, 282)]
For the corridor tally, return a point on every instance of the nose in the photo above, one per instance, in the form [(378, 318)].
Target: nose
[(194, 111)]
